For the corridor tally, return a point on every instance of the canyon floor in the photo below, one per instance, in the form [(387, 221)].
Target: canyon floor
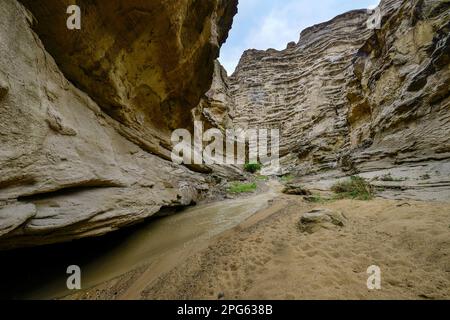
[(268, 257)]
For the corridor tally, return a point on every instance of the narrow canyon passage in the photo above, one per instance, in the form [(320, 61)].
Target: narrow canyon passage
[(99, 125)]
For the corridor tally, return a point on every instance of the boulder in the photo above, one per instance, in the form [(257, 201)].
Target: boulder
[(318, 219)]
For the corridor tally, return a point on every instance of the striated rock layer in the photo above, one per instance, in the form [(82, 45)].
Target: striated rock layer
[(79, 161), (301, 90), (351, 99), (399, 91)]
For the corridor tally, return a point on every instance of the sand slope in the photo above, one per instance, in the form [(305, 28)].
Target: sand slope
[(269, 258)]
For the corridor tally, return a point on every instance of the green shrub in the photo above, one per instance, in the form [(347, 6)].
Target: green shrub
[(238, 187), (287, 178), (355, 188), (252, 167)]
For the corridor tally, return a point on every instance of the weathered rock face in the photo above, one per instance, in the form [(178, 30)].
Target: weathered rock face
[(352, 99), (77, 163), (146, 63), (399, 97), (301, 91), (318, 219), (216, 108)]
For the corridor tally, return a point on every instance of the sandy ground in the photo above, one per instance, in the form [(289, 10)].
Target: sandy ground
[(267, 257)]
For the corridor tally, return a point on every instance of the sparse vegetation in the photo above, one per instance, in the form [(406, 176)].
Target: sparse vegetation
[(252, 167), (287, 178), (425, 177), (354, 188), (239, 187), (262, 178)]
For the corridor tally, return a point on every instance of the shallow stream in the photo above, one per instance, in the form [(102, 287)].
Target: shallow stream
[(40, 273)]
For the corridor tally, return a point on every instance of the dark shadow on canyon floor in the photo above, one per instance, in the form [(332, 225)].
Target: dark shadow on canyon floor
[(23, 271)]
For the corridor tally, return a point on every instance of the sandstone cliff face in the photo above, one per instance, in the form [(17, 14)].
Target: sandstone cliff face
[(146, 63), (87, 115), (301, 90), (216, 107), (349, 99), (83, 161)]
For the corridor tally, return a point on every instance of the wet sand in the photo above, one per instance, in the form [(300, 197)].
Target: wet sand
[(267, 257), (158, 245)]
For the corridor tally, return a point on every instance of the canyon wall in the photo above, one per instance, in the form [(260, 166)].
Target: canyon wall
[(351, 99), (86, 115)]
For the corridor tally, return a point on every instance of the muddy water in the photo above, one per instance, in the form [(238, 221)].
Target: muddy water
[(162, 243)]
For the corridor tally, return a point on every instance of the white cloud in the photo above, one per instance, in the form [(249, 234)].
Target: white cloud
[(272, 33)]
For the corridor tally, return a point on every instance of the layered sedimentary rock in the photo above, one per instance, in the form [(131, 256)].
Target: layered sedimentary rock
[(399, 95), (350, 98), (301, 90), (216, 107), (146, 63), (86, 157)]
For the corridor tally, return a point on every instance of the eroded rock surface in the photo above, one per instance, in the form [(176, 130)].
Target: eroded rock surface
[(301, 91), (349, 99), (296, 189), (318, 219), (77, 163), (399, 96), (87, 115), (146, 63)]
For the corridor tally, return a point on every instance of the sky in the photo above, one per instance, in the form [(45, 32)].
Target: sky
[(264, 24)]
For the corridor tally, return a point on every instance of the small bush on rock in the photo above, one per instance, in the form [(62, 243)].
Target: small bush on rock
[(355, 188), (252, 167)]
